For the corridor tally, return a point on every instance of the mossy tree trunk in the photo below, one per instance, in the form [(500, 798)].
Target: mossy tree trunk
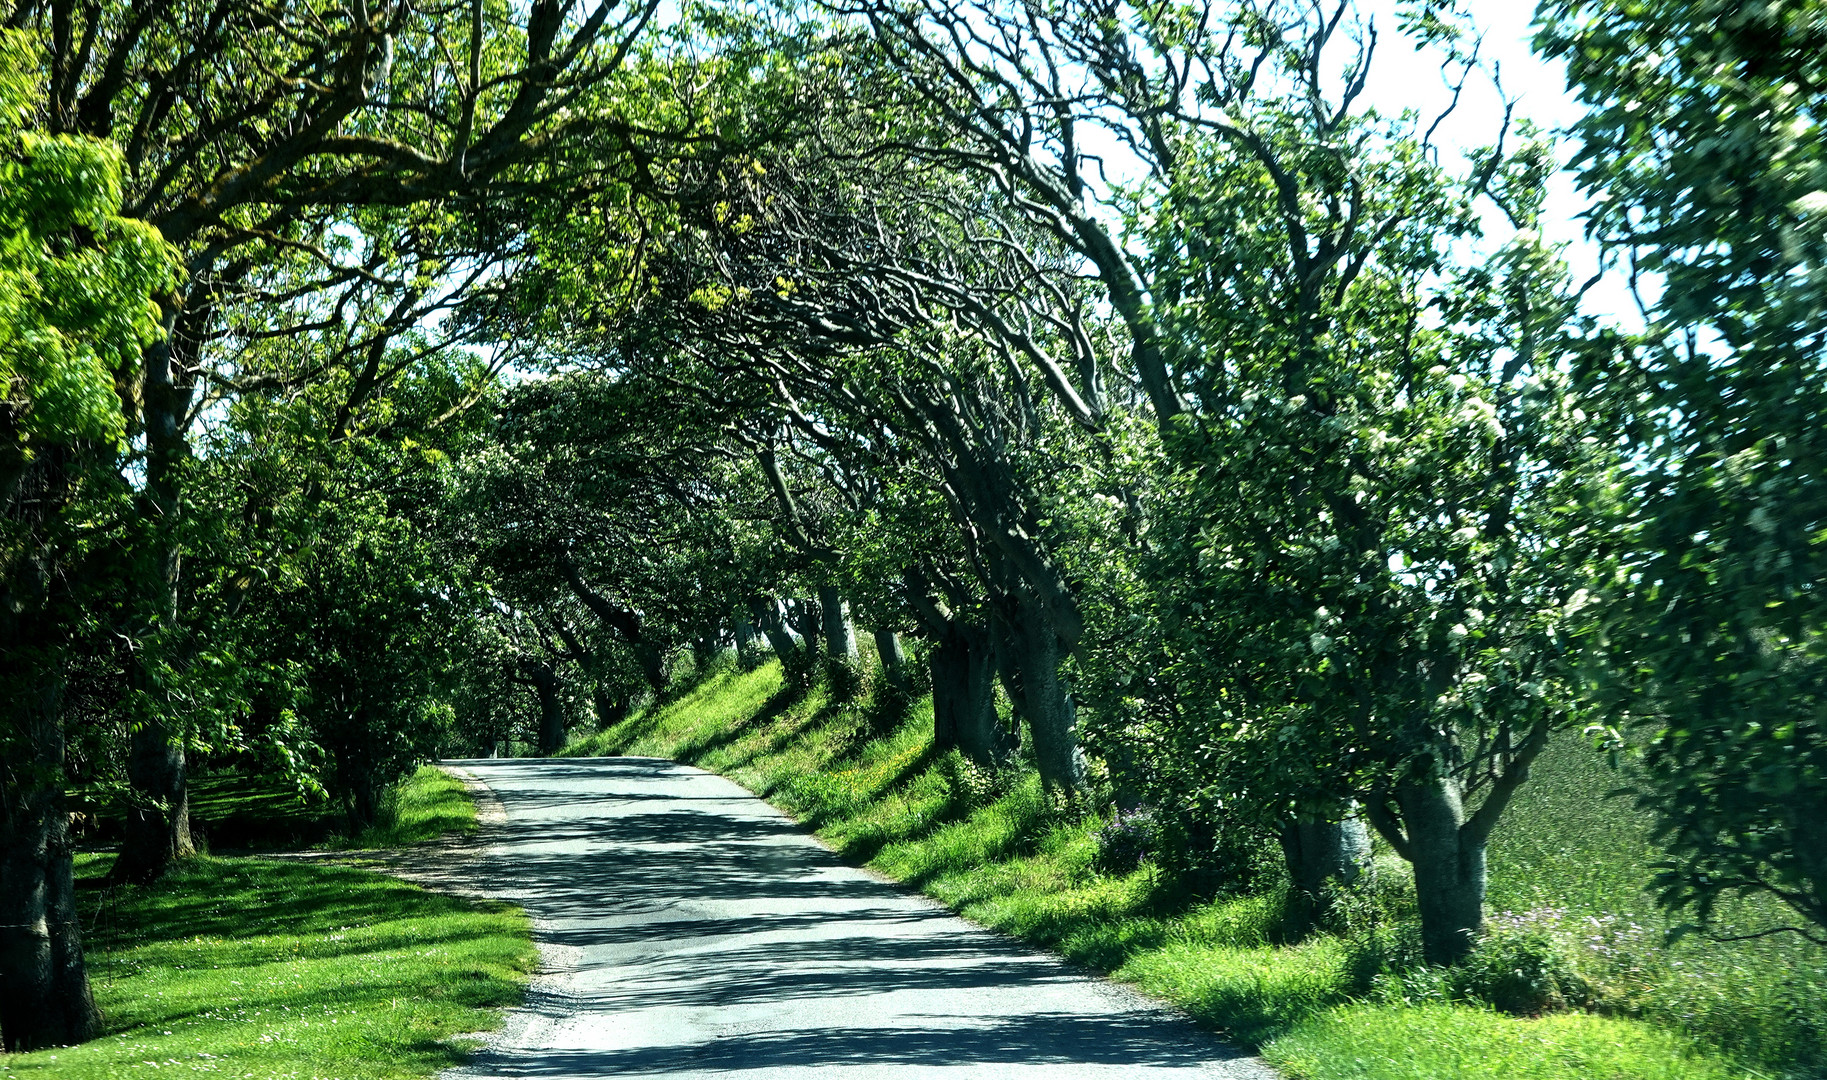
[(894, 660), (747, 656), (840, 632), (766, 613), (963, 666), (543, 677), (1322, 853), (1030, 669), (44, 986)]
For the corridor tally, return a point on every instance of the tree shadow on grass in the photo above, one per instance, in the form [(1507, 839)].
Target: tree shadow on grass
[(223, 898)]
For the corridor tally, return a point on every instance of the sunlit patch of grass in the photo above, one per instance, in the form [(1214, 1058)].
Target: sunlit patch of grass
[(1435, 1042), (255, 968), (427, 803), (1571, 845)]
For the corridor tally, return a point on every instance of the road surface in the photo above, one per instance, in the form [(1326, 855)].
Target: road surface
[(687, 929)]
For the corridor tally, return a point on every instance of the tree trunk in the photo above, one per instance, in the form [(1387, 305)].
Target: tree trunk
[(364, 803), (840, 632), (158, 824), (44, 987), (1449, 868), (747, 657), (624, 623), (551, 709), (963, 667), (894, 660), (1042, 698), (807, 620), (766, 613), (703, 651), (653, 664), (1321, 851), (609, 711)]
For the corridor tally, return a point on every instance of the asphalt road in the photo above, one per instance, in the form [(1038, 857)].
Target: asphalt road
[(688, 929)]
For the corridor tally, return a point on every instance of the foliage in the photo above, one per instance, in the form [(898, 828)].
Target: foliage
[(1127, 840), (77, 280), (322, 580), (1704, 143), (1276, 483), (1517, 967)]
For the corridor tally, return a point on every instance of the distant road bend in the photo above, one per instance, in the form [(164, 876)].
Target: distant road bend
[(688, 929)]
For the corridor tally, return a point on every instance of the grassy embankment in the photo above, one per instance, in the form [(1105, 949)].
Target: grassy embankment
[(257, 968), (1567, 870)]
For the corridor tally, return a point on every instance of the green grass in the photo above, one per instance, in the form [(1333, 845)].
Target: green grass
[(236, 810), (232, 811), (1570, 852), (1365, 1042), (426, 804), (256, 968), (995, 849)]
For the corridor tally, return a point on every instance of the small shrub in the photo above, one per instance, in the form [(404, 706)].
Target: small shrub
[(844, 677), (1416, 985), (973, 785), (889, 705), (1126, 841), (799, 668), (1217, 855), (1520, 967)]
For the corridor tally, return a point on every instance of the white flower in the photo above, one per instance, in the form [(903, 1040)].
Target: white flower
[(1480, 412), (1815, 202)]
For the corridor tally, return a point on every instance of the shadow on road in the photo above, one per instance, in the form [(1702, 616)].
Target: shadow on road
[(702, 933)]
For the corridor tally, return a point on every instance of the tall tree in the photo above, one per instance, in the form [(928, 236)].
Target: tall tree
[(76, 308), (344, 143), (1704, 141)]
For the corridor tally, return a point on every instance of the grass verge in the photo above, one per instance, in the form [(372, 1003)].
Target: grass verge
[(276, 970), (995, 849), (426, 804)]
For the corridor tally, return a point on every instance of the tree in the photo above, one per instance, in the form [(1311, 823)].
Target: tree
[(598, 498), (346, 592), (77, 284), (790, 271), (1704, 143), (1273, 288), (301, 159)]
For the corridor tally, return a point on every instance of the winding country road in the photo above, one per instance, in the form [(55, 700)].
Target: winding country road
[(688, 929)]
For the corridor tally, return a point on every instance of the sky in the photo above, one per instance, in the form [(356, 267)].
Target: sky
[(1401, 77)]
